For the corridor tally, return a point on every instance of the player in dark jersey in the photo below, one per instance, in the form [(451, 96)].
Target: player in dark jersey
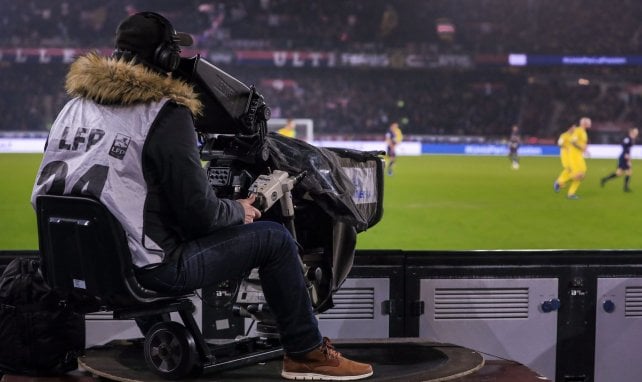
[(513, 144), (624, 161)]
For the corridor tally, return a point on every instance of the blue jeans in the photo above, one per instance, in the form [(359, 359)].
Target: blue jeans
[(232, 252)]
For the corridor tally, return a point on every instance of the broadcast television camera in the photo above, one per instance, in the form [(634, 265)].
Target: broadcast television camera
[(326, 195)]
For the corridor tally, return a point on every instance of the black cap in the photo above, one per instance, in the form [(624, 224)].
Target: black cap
[(143, 32)]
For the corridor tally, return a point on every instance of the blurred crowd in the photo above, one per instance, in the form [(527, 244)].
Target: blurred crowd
[(482, 26), (483, 102)]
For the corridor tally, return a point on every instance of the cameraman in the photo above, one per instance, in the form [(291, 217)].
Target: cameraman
[(127, 138)]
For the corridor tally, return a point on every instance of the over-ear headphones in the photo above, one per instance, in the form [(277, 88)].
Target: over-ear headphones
[(167, 54)]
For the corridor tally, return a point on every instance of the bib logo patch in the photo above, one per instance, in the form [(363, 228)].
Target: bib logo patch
[(119, 147)]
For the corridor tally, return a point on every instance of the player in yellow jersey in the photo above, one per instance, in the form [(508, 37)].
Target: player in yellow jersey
[(564, 142), (289, 130), (577, 150)]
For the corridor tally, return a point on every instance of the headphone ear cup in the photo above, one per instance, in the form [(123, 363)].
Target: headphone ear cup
[(167, 57)]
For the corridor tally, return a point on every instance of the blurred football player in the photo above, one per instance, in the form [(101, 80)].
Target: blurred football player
[(576, 153), (393, 138), (513, 144), (624, 161), (289, 129), (564, 142)]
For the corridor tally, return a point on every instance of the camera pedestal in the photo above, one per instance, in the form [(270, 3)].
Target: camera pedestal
[(393, 359)]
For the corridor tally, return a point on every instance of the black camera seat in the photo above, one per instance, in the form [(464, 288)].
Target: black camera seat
[(84, 252)]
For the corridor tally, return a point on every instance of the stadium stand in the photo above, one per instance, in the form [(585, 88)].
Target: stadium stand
[(432, 100)]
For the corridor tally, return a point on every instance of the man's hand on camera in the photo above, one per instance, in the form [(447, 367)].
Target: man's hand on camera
[(251, 213)]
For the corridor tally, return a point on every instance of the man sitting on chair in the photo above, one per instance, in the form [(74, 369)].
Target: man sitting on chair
[(127, 138)]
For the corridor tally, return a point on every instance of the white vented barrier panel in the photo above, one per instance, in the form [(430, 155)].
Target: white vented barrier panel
[(506, 318), (618, 330), (357, 311)]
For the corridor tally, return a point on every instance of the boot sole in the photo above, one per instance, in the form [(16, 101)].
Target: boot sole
[(322, 377)]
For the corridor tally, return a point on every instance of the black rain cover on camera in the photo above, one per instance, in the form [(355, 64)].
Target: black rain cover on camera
[(347, 184), (224, 97)]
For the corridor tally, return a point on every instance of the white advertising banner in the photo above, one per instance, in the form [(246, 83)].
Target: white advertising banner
[(22, 145)]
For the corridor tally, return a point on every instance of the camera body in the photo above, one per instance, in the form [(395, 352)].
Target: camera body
[(326, 196)]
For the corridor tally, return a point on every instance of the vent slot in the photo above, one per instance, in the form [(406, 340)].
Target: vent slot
[(480, 303), (633, 301), (351, 304)]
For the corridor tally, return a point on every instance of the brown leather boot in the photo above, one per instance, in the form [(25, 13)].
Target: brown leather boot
[(324, 363)]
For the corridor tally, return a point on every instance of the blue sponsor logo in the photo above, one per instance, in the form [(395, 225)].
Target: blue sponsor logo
[(489, 149)]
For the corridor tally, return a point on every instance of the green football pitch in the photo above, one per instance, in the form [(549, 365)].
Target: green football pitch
[(439, 203)]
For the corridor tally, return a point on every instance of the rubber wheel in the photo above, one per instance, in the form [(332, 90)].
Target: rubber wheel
[(170, 350)]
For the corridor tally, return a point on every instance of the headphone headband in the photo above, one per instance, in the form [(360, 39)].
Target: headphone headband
[(168, 29)]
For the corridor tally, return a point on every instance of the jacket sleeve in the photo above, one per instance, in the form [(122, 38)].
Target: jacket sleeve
[(171, 154)]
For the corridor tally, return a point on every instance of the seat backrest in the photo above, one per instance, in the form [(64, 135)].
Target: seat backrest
[(84, 250)]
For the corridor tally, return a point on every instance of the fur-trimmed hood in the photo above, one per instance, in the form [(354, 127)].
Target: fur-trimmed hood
[(111, 81)]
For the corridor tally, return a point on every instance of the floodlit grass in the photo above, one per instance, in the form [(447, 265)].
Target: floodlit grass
[(17, 217), (439, 203), (466, 203)]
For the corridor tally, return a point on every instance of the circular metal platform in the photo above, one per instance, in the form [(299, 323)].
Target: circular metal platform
[(393, 359)]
